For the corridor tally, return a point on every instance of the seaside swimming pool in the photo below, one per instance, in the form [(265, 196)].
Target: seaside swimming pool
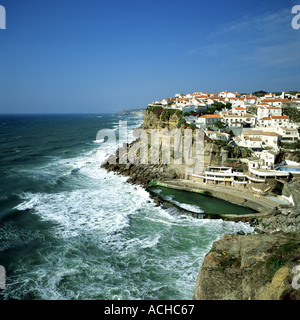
[(284, 168), (200, 203)]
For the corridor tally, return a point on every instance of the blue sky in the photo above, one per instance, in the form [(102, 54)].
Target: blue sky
[(104, 56)]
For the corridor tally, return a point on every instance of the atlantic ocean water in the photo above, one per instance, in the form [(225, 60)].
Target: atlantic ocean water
[(71, 230)]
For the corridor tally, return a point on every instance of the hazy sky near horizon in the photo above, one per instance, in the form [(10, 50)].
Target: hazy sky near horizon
[(99, 56)]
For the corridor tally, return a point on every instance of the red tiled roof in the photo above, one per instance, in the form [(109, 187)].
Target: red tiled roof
[(280, 117), (275, 117), (211, 116)]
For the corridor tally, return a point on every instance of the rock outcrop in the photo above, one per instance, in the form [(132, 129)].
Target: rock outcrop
[(156, 118), (250, 267)]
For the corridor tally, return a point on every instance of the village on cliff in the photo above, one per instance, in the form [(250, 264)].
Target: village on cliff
[(266, 124)]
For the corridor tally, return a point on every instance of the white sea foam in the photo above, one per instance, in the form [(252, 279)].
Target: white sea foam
[(99, 141), (104, 203), (85, 210), (188, 207)]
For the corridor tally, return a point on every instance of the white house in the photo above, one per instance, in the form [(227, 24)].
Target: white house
[(270, 139), (289, 135), (259, 138), (267, 111), (226, 94), (211, 100), (201, 94), (198, 102), (268, 96), (238, 103), (182, 102), (249, 99), (277, 102), (240, 111), (250, 142), (166, 102), (235, 120), (268, 157), (249, 119), (208, 120), (214, 135), (274, 121), (232, 120)]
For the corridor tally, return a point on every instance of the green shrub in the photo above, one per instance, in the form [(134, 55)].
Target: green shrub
[(193, 125), (168, 113), (292, 112), (278, 188), (181, 122), (157, 110)]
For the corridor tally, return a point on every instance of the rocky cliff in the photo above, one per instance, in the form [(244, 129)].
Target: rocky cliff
[(157, 118), (252, 267)]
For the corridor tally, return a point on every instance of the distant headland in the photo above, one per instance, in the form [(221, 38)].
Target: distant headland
[(137, 112)]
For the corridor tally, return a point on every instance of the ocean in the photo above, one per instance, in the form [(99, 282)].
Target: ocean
[(69, 230)]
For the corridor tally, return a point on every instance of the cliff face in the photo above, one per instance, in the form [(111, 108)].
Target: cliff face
[(252, 267), (158, 119)]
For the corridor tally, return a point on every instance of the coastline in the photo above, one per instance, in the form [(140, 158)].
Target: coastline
[(271, 216), (143, 175), (276, 226)]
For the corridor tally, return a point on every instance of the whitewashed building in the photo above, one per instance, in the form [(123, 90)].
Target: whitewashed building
[(268, 157), (208, 120), (256, 139), (267, 111), (226, 94), (289, 135), (214, 135), (240, 111), (274, 121)]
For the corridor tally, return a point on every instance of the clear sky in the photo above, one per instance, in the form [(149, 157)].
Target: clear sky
[(107, 55)]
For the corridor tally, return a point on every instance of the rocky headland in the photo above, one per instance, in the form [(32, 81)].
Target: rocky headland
[(250, 267), (257, 266)]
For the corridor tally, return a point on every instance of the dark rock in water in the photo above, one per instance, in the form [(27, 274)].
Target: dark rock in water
[(241, 233), (156, 201), (74, 171)]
